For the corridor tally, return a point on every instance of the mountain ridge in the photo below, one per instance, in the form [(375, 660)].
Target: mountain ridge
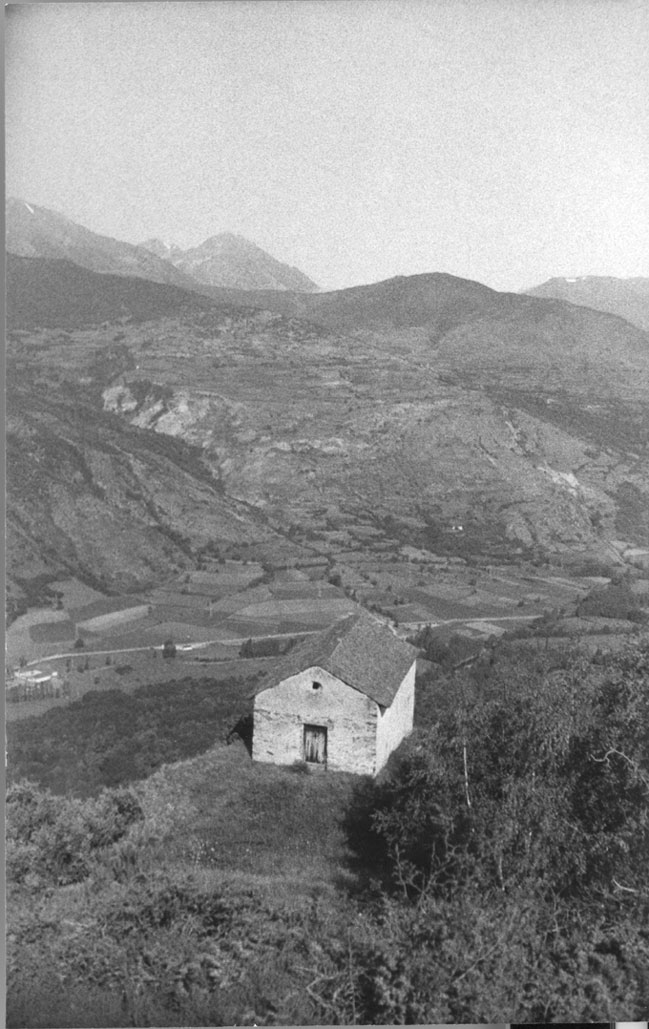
[(418, 400), (477, 329), (626, 297), (34, 231), (229, 260), (226, 260), (57, 293)]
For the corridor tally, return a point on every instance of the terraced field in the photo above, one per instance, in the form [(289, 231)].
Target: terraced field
[(210, 613)]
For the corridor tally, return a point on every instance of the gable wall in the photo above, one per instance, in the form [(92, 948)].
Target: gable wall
[(396, 722), (350, 718)]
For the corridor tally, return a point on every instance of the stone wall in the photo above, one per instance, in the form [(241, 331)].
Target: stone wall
[(396, 722), (350, 717)]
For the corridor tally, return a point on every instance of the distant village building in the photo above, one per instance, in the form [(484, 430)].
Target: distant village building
[(345, 700), (33, 684)]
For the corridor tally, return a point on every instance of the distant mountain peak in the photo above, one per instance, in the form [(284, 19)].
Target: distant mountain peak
[(228, 259), (229, 237), (161, 248), (628, 298), (222, 240), (33, 231)]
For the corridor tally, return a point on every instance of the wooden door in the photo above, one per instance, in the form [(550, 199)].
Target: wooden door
[(315, 744)]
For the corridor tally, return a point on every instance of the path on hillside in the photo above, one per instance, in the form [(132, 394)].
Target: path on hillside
[(180, 647), (436, 622)]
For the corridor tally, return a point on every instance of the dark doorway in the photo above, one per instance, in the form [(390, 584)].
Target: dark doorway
[(315, 744)]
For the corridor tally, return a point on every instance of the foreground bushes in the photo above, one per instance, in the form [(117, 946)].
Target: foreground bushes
[(166, 948), (546, 787), (500, 872), (55, 841)]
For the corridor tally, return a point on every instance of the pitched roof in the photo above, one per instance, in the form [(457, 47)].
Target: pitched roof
[(361, 650)]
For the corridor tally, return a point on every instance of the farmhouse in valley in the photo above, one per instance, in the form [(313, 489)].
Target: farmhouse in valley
[(345, 700)]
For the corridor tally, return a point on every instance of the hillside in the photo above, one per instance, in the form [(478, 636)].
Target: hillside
[(628, 298), (230, 261), (33, 231), (480, 331), (495, 869), (53, 293), (437, 450), (438, 402), (92, 496)]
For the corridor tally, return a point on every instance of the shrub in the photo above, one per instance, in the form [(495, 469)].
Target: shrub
[(547, 786), (55, 838), (616, 600), (108, 737), (169, 648)]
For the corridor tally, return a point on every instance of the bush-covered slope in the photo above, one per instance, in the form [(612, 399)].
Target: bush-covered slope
[(110, 738), (497, 870)]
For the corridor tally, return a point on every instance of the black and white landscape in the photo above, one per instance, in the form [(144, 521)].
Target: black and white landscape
[(274, 360)]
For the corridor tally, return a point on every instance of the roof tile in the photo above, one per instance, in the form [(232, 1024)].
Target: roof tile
[(361, 650)]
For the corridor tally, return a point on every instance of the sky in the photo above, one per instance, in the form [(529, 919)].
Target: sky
[(505, 141)]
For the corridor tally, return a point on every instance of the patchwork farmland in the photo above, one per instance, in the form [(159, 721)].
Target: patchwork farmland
[(212, 611)]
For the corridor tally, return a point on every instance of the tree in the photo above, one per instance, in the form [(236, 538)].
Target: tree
[(169, 648), (537, 784), (247, 649)]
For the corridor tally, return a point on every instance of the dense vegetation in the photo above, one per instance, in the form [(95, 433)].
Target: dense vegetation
[(498, 870), (615, 600), (110, 738)]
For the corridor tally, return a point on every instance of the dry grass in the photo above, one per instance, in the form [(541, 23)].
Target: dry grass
[(255, 824)]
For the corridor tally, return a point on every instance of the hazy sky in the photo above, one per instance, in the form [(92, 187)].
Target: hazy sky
[(500, 140)]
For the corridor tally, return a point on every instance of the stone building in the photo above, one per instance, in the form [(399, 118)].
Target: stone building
[(343, 700)]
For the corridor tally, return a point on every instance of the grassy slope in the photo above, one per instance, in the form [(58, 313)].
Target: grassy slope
[(251, 824), (235, 900)]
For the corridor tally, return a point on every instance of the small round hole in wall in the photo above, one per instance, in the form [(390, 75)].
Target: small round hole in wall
[(316, 685)]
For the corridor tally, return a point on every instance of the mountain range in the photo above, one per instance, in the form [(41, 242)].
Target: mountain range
[(147, 419), (628, 298), (231, 261), (224, 260), (33, 231)]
